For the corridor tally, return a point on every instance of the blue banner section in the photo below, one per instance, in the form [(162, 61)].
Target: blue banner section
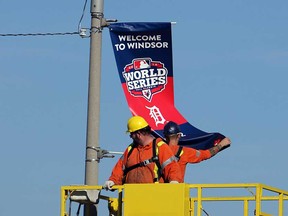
[(142, 40), (195, 138), (143, 53)]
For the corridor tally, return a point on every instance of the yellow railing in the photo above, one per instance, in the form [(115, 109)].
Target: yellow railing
[(253, 195), (257, 195)]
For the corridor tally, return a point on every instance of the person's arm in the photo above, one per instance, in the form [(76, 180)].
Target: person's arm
[(196, 156), (117, 172), (116, 176), (223, 143)]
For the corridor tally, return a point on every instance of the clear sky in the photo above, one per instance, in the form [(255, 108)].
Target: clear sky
[(230, 76)]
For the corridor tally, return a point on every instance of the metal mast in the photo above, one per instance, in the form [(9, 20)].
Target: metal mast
[(93, 113)]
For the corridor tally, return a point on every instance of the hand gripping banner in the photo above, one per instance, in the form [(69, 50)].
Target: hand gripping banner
[(143, 53)]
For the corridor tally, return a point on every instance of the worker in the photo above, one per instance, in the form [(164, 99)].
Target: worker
[(145, 160), (186, 155)]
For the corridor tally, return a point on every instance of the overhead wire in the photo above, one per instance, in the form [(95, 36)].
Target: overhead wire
[(50, 33), (39, 34), (81, 18)]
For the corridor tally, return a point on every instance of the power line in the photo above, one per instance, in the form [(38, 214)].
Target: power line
[(53, 34), (39, 34), (83, 12)]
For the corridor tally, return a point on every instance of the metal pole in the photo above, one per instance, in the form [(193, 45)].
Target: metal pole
[(93, 115)]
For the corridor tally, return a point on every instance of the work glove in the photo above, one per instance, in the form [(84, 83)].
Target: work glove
[(108, 185), (173, 182)]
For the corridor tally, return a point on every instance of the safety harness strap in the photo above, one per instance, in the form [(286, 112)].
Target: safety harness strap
[(154, 159), (157, 162), (132, 146), (177, 155)]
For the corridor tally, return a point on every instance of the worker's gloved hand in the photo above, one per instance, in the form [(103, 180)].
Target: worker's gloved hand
[(173, 182), (108, 185)]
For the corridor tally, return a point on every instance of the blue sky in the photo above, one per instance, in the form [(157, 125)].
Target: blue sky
[(230, 76)]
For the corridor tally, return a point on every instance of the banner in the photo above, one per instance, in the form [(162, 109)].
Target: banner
[(143, 53)]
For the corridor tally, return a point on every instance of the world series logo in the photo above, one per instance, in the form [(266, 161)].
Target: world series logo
[(145, 77)]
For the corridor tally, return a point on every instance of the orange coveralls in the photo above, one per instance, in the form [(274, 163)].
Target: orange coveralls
[(189, 155), (146, 174)]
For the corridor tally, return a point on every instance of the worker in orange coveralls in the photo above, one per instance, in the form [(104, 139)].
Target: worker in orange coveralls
[(146, 160), (185, 155)]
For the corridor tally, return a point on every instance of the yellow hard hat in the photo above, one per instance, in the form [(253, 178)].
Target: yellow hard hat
[(136, 123)]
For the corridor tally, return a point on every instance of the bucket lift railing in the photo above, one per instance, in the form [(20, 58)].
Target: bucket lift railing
[(200, 195), (258, 196)]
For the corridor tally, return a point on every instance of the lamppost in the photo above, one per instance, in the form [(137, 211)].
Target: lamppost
[(93, 112)]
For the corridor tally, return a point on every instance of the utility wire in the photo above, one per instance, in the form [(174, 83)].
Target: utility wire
[(205, 212), (50, 34), (83, 12), (39, 34)]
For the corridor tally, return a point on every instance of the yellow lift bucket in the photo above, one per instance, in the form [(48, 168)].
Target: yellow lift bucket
[(156, 200)]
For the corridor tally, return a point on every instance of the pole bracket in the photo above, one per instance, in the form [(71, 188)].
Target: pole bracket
[(101, 153)]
